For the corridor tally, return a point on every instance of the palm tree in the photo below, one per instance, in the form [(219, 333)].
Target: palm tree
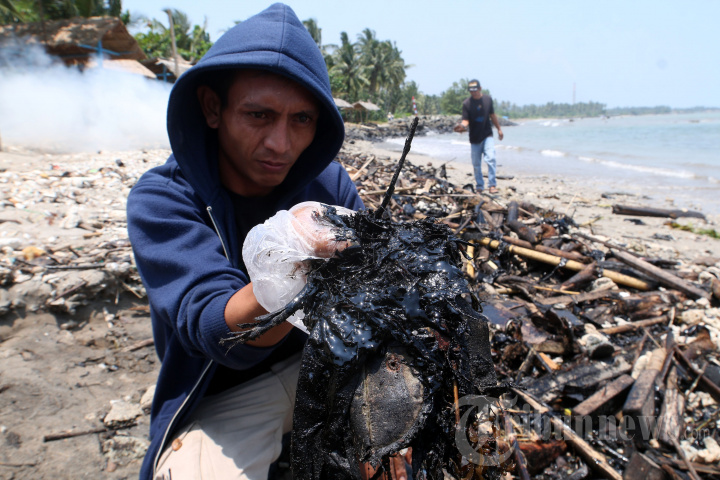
[(315, 31), (348, 67), (9, 12), (191, 41)]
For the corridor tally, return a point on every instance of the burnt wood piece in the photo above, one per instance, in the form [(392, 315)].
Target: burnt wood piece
[(512, 212), (671, 422), (523, 231), (660, 275), (654, 212), (548, 387), (582, 278), (641, 467), (640, 403), (708, 384), (604, 396)]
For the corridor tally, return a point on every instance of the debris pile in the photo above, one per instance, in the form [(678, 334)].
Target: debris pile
[(614, 352), (612, 344)]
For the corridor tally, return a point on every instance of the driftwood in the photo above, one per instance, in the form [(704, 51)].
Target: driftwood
[(671, 422), (661, 275), (607, 394), (654, 212), (640, 403)]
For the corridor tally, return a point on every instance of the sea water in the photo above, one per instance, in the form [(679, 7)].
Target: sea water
[(655, 157)]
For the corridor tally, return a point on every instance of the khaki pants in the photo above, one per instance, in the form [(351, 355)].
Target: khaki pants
[(238, 433)]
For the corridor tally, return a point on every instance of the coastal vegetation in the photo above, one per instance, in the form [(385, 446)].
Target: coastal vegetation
[(367, 69)]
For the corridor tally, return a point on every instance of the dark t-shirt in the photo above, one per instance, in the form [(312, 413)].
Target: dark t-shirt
[(478, 112), (248, 213)]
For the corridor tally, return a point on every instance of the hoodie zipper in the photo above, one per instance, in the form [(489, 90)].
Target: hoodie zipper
[(217, 230), (207, 367)]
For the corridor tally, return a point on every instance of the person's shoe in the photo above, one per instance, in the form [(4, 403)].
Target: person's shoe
[(493, 190)]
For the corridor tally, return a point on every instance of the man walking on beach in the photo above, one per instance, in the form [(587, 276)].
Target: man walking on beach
[(477, 112), (254, 130)]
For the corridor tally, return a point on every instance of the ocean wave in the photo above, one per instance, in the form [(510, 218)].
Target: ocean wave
[(552, 153), (639, 168)]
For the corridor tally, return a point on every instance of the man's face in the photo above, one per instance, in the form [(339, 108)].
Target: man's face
[(476, 94), (268, 122)]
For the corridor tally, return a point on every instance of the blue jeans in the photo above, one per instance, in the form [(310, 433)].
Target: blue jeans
[(478, 152)]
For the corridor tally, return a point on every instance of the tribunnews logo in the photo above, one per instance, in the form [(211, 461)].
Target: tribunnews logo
[(482, 418)]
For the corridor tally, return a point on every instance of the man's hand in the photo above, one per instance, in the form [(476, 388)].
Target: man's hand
[(500, 134), (460, 128), (319, 236)]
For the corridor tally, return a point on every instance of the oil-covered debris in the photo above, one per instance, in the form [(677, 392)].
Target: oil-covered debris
[(395, 335), (396, 338), (614, 343)]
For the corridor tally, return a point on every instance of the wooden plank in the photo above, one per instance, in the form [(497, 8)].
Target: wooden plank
[(547, 387), (640, 403), (660, 275), (671, 422), (607, 394)]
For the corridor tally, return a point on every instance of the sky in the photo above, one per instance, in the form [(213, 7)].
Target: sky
[(617, 52)]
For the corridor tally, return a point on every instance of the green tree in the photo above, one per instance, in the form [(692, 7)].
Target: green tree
[(9, 12), (41, 10), (314, 31), (452, 98), (192, 41), (350, 72)]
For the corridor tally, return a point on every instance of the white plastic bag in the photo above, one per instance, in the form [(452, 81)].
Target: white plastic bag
[(276, 253)]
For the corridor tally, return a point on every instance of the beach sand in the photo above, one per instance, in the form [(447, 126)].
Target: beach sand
[(65, 371)]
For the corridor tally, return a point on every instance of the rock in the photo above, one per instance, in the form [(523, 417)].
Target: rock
[(122, 414), (122, 449), (711, 453), (147, 398), (31, 295)]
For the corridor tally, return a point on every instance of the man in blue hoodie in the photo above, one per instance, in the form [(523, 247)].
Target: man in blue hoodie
[(254, 130)]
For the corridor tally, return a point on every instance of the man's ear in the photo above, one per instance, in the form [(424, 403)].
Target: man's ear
[(210, 104)]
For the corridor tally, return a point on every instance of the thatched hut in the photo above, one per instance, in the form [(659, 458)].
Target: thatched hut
[(77, 40)]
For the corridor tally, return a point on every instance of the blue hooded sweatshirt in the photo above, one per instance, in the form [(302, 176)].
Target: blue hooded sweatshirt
[(187, 231)]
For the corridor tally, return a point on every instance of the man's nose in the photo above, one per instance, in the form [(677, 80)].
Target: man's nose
[(278, 138)]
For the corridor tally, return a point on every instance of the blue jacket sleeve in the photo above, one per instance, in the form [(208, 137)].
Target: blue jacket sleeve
[(188, 278)]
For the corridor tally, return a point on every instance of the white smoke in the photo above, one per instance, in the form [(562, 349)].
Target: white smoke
[(47, 106)]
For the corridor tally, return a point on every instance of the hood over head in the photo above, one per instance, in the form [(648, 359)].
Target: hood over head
[(274, 40)]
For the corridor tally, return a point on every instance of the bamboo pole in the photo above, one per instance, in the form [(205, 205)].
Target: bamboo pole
[(616, 277)]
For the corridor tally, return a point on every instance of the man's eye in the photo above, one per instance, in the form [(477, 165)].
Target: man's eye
[(304, 118), (258, 115)]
